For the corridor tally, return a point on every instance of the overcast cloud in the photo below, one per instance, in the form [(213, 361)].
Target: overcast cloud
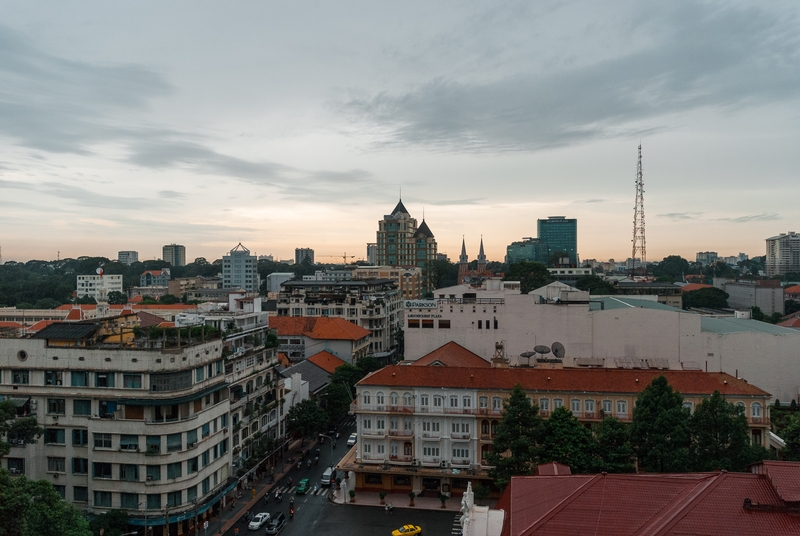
[(287, 126)]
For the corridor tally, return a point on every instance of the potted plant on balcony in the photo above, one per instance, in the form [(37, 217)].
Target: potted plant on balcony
[(443, 498), (338, 482), (352, 494), (411, 496), (382, 495)]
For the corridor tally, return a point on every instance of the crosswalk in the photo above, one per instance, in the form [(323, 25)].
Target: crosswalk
[(456, 525), (320, 491)]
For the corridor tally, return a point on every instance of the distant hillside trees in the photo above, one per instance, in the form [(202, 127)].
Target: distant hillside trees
[(531, 275)]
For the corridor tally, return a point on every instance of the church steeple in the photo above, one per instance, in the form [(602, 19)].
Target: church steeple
[(481, 256), (463, 259)]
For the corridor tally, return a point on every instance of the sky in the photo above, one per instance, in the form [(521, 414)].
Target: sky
[(129, 125)]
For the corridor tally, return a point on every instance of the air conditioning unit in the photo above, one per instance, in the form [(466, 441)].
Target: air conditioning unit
[(443, 464), (14, 471), (414, 462), (149, 478)]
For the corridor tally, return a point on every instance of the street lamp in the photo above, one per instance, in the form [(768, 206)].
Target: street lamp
[(330, 440), (145, 515)]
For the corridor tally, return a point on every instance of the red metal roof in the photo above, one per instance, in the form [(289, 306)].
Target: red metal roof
[(784, 476), (708, 504), (452, 354), (601, 380), (695, 286)]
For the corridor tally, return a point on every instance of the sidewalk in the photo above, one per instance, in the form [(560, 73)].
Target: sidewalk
[(255, 503), (397, 500)]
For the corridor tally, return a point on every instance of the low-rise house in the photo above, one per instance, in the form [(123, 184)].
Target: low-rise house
[(301, 337)]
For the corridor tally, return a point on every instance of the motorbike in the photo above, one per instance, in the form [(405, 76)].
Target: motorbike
[(308, 464), (291, 513), (299, 465), (278, 496), (316, 460)]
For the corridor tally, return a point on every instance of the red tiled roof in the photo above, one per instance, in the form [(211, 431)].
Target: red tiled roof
[(695, 286), (791, 323), (602, 380), (75, 314), (326, 361), (794, 289), (167, 325), (784, 476), (40, 325), (333, 328), (147, 320), (12, 325), (283, 359), (137, 307), (82, 306), (136, 299), (709, 504), (552, 469), (155, 272), (452, 355)]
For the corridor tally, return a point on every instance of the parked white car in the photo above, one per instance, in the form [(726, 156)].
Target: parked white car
[(352, 439), (258, 521)]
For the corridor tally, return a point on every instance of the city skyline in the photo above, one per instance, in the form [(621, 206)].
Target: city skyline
[(298, 127)]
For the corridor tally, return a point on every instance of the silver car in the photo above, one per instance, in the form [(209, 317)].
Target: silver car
[(258, 521)]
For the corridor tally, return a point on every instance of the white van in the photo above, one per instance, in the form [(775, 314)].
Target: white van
[(328, 476)]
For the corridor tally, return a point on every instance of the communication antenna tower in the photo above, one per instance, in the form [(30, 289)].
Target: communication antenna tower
[(638, 219)]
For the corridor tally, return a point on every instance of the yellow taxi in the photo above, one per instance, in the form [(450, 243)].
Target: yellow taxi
[(407, 530)]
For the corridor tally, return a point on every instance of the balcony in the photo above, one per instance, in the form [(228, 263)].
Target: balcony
[(432, 435), (401, 409), (401, 433), (460, 435), (400, 459), (371, 432), (460, 462)]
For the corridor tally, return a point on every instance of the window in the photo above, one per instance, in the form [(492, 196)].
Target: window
[(589, 405), (367, 399), (756, 410), (394, 399), (191, 437), (153, 473), (480, 324), (607, 407), (129, 501), (557, 403), (102, 498), (154, 501), (56, 406), (153, 444), (81, 407), (80, 437), (174, 470), (191, 465), (129, 472), (174, 442), (380, 399), (380, 423), (461, 452), (104, 379), (380, 448), (79, 379), (80, 494), (206, 430), (688, 406), (55, 436), (191, 494), (427, 323), (129, 442), (483, 402), (497, 403), (575, 406), (367, 423), (199, 374), (444, 324), (101, 470), (20, 377), (53, 377), (423, 400), (102, 441), (205, 485), (467, 402), (132, 381), (56, 465), (80, 466), (438, 401), (453, 401), (430, 451), (622, 408)]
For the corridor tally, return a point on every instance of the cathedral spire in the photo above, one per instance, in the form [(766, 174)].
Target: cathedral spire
[(463, 259), (481, 255)]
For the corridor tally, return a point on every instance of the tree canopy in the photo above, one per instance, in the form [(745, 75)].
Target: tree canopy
[(673, 266), (713, 298), (24, 429), (660, 429), (613, 452), (595, 285), (35, 508), (442, 273), (531, 275), (791, 435), (514, 449), (565, 440), (306, 419)]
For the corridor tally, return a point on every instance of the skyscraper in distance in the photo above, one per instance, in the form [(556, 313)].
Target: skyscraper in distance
[(174, 254), (560, 234), (400, 242)]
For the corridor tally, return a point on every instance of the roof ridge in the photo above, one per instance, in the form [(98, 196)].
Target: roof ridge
[(563, 503), (681, 506)]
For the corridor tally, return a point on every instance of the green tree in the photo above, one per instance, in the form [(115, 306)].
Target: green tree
[(673, 266), (614, 453), (112, 523), (116, 297), (12, 427), (35, 508), (442, 273), (565, 440), (791, 435), (168, 299), (514, 447), (337, 402), (87, 300), (712, 298), (554, 260), (306, 419), (719, 269), (531, 275), (595, 285), (660, 429), (791, 306), (46, 303), (720, 436)]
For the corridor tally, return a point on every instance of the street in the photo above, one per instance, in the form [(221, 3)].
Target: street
[(315, 514)]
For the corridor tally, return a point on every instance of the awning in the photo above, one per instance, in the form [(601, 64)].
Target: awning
[(169, 401), (158, 517)]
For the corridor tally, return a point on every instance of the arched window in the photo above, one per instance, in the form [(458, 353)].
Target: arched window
[(494, 427), (485, 427), (688, 406), (407, 399), (258, 382), (367, 398), (393, 399), (756, 410), (380, 399)]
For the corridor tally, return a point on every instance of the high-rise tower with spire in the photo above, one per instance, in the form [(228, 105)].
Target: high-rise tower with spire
[(401, 242)]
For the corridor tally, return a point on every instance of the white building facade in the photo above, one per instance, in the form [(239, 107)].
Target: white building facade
[(240, 270), (98, 286)]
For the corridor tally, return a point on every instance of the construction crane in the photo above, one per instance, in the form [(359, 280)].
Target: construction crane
[(344, 257)]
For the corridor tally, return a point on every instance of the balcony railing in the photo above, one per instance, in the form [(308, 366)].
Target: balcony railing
[(401, 433), (460, 435), (400, 459), (372, 432), (432, 435)]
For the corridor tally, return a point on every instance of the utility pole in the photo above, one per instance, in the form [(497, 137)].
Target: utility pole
[(638, 220)]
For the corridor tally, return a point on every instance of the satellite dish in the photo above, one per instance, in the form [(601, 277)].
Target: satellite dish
[(527, 354), (99, 271), (558, 350), (541, 349)]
